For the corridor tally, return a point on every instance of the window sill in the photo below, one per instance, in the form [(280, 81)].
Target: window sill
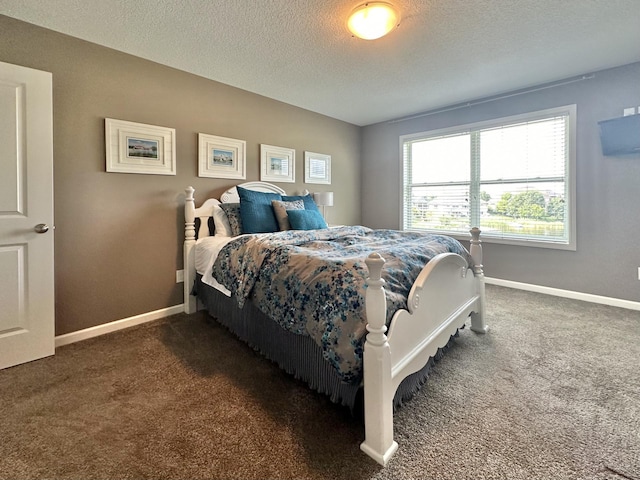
[(505, 241)]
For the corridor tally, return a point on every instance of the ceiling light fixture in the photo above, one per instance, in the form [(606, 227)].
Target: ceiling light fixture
[(373, 20)]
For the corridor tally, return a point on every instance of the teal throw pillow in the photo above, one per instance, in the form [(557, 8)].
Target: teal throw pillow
[(306, 220), (256, 211)]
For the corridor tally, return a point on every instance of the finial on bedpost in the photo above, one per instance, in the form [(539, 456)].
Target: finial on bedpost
[(378, 388), (478, 323)]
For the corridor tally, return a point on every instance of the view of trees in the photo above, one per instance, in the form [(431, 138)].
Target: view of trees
[(531, 212), (530, 204)]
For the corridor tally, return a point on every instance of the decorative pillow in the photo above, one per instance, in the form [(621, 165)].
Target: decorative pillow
[(256, 211), (232, 211), (309, 204), (280, 209), (221, 222), (306, 220)]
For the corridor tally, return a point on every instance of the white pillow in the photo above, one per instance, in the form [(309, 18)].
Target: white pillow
[(220, 220)]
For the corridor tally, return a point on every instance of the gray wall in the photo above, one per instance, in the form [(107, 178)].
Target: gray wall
[(118, 238), (608, 216)]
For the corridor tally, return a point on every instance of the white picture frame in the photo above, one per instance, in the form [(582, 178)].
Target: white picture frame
[(317, 168), (221, 157), (139, 148), (277, 164)]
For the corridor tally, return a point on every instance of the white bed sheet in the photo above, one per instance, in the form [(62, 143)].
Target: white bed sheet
[(207, 250)]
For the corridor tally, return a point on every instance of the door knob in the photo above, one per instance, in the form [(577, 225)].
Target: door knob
[(41, 228)]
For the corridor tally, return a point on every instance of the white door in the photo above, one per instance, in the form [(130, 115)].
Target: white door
[(26, 211)]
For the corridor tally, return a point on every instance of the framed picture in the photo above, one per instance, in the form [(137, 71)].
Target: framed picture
[(220, 157), (139, 148), (277, 164), (317, 168)]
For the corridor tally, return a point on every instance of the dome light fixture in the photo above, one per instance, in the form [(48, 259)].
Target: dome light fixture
[(373, 20)]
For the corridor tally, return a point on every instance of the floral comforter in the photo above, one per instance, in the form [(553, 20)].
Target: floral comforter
[(312, 282)]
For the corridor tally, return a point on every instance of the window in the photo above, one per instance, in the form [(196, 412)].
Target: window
[(512, 177)]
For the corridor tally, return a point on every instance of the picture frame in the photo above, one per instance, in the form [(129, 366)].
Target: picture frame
[(221, 157), (139, 148), (277, 164), (317, 168)]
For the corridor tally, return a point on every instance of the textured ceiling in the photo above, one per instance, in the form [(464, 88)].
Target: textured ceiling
[(299, 51)]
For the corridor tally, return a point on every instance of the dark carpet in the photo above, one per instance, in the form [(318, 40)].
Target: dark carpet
[(551, 392)]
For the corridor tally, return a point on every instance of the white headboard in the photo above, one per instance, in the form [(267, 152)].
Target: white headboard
[(231, 195), (204, 212)]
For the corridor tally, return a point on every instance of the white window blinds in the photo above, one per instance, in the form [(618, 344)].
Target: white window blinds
[(510, 177)]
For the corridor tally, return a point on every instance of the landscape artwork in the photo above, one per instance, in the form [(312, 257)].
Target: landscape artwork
[(317, 168), (138, 147), (279, 166), (222, 158)]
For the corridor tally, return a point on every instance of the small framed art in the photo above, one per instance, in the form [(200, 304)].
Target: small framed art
[(277, 164), (220, 157), (139, 148), (317, 168)]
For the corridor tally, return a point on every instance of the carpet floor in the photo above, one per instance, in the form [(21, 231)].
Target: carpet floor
[(551, 392)]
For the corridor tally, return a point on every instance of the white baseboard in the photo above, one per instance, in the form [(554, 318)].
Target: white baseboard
[(587, 297), (98, 330), (116, 325)]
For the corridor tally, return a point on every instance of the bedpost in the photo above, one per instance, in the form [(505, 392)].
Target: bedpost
[(189, 254), (478, 323), (378, 389)]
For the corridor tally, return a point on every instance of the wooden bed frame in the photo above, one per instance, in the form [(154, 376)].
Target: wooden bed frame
[(446, 293)]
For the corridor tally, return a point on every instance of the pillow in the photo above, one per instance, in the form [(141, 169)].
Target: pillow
[(221, 222), (280, 209), (256, 211), (232, 210), (309, 204), (306, 220)]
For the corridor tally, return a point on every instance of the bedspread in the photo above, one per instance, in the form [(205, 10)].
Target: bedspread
[(312, 282)]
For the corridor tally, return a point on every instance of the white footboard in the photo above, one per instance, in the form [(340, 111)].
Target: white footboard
[(445, 294)]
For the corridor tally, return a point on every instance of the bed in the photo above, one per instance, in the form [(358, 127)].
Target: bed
[(400, 344)]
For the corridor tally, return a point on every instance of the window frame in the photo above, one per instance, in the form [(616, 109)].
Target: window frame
[(570, 176)]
